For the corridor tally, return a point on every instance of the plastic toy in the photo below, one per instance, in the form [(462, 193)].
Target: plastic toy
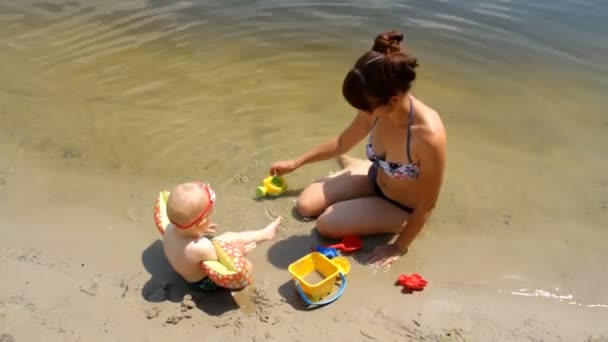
[(161, 220), (315, 293), (232, 270), (271, 186), (329, 252), (414, 282), (348, 244), (342, 263)]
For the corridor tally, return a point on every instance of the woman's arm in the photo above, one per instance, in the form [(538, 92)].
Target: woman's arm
[(432, 161), (354, 133)]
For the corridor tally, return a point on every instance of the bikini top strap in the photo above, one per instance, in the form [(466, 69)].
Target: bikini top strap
[(409, 125), (371, 131)]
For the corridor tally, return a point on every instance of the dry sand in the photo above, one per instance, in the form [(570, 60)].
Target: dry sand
[(80, 260)]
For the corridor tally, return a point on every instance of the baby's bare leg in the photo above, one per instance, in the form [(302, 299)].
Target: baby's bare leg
[(249, 239)]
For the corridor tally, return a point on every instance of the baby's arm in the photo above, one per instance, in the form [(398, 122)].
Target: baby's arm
[(201, 250)]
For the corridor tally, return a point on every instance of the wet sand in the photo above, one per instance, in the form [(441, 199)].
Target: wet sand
[(86, 264)]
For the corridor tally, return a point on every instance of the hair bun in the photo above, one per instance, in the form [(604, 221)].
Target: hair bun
[(388, 42), (411, 62)]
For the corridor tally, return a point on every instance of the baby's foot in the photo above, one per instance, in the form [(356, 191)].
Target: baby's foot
[(271, 230)]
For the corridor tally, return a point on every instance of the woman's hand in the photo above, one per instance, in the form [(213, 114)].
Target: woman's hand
[(282, 167), (385, 255)]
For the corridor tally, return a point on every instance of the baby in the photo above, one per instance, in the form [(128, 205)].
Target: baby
[(189, 208)]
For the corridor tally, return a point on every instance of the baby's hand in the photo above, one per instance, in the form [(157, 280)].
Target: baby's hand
[(212, 228)]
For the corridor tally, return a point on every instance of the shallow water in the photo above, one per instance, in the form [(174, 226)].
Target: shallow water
[(168, 91)]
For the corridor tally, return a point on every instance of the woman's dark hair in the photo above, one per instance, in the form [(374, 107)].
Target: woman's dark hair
[(380, 73)]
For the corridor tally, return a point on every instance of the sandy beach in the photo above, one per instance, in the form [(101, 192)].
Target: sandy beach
[(79, 268)]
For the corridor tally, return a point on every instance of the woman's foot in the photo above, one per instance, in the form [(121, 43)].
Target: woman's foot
[(271, 230), (348, 162)]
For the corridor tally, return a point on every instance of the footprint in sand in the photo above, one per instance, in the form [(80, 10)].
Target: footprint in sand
[(92, 288), (265, 307), (174, 319), (241, 178), (152, 312), (7, 338)]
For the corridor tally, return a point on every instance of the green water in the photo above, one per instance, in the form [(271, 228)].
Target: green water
[(167, 91)]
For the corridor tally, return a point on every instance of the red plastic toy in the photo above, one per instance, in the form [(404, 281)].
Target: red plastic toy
[(348, 244), (414, 282)]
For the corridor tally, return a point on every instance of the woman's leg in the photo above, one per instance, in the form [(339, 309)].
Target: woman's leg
[(361, 216), (351, 182)]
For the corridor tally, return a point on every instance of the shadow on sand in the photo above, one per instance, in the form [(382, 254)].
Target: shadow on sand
[(166, 285), (284, 252), (288, 193)]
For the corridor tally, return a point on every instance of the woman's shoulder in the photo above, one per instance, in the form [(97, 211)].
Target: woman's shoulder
[(430, 127)]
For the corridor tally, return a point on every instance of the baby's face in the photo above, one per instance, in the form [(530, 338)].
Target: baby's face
[(203, 225)]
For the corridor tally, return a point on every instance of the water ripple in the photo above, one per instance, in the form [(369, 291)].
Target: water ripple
[(561, 298), (160, 77)]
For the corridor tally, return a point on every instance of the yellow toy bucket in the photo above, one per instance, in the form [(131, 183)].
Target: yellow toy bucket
[(320, 267)]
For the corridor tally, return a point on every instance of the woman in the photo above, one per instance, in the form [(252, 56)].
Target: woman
[(396, 190)]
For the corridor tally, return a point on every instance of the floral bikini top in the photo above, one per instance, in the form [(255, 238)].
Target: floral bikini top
[(410, 170)]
